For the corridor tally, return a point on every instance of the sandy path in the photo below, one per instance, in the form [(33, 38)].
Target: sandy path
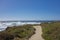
[(37, 36)]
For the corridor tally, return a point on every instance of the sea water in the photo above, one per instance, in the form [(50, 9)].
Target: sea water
[(3, 26)]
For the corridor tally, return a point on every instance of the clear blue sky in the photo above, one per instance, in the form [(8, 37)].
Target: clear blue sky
[(29, 9)]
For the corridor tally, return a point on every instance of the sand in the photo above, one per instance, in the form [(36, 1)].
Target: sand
[(38, 33)]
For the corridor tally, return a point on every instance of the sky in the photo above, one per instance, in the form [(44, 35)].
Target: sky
[(29, 9)]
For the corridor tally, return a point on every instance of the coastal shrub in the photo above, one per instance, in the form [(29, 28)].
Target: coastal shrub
[(51, 31), (6, 36), (17, 32)]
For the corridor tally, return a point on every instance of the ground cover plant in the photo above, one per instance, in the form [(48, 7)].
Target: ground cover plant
[(51, 30), (23, 32)]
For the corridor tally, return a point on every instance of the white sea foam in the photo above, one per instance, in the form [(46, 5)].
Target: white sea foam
[(3, 26)]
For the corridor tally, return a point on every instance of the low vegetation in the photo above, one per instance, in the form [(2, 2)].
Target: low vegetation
[(17, 33), (51, 30)]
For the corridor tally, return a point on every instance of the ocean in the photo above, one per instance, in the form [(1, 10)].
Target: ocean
[(3, 26)]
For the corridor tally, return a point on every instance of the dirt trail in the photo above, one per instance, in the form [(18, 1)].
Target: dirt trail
[(37, 35)]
